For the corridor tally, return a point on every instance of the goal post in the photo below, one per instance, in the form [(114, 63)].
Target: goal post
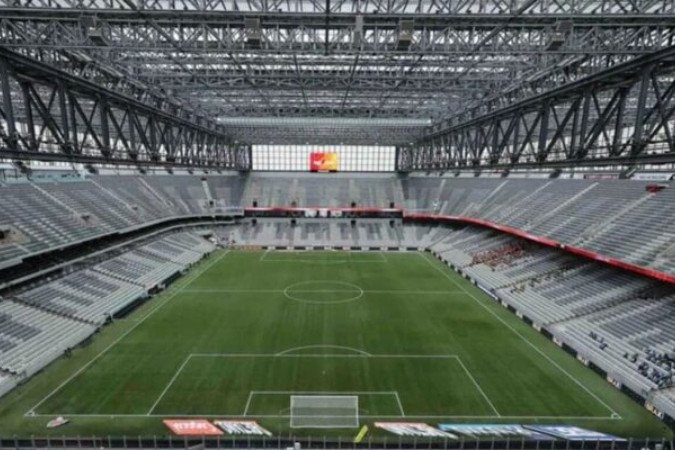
[(324, 411)]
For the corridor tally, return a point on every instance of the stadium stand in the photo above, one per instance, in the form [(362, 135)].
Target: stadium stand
[(133, 191), (186, 193), (86, 295), (46, 214), (39, 322), (337, 191), (363, 233), (614, 218), (40, 221), (34, 337), (620, 321)]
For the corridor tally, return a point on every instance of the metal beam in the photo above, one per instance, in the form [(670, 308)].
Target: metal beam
[(67, 118), (620, 116)]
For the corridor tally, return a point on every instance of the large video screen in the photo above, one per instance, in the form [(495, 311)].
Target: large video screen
[(323, 162), (348, 158)]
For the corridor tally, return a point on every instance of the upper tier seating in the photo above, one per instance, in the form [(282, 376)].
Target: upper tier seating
[(133, 191), (317, 232), (45, 214), (316, 191), (185, 193), (42, 222), (616, 218)]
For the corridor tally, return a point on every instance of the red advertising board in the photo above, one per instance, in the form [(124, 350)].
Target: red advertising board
[(192, 427)]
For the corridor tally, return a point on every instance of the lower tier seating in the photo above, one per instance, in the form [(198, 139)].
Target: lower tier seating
[(40, 322), (623, 323)]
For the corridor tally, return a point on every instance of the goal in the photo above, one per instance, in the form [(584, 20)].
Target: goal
[(324, 411)]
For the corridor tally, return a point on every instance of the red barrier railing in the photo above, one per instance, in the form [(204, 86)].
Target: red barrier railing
[(578, 251)]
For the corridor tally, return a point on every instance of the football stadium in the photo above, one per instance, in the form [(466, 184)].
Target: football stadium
[(300, 224)]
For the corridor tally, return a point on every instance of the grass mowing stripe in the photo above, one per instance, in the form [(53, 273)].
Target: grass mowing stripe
[(187, 282), (520, 335)]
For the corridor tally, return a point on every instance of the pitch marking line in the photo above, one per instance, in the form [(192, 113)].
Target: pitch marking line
[(400, 405), (394, 394), (523, 338), (346, 287), (339, 347), (262, 257), (281, 291), (248, 403), (189, 280), (475, 383), (166, 389)]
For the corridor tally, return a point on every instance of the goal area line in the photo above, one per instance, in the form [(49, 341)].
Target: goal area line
[(324, 411), (290, 393)]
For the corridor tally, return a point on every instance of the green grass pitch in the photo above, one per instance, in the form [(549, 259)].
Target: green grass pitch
[(244, 331)]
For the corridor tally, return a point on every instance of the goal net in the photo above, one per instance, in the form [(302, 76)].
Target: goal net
[(324, 411)]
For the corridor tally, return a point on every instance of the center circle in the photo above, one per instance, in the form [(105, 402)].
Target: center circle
[(323, 292)]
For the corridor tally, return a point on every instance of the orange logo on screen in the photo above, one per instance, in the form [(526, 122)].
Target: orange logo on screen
[(323, 162)]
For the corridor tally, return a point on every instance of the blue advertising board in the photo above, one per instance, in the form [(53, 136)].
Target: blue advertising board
[(499, 431), (572, 433)]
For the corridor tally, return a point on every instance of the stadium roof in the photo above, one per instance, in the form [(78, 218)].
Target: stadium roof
[(231, 64)]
